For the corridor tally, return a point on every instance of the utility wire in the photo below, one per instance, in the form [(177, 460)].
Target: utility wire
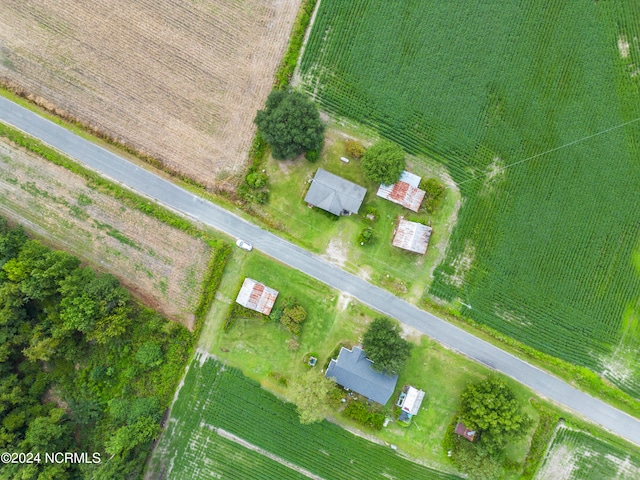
[(556, 149)]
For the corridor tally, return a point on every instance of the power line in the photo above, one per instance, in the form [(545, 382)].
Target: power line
[(556, 148)]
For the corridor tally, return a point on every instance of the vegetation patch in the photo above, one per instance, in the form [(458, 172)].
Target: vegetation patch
[(540, 441), (366, 414), (209, 401), (291, 125), (113, 229), (88, 369), (546, 187)]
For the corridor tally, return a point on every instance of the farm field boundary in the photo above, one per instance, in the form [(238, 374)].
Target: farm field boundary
[(213, 393), (577, 455), (542, 252), (179, 82), (59, 195)]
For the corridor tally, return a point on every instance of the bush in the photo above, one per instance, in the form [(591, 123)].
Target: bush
[(366, 236), (256, 180), (312, 156), (262, 197), (354, 149), (383, 162), (365, 415), (149, 354), (434, 194)]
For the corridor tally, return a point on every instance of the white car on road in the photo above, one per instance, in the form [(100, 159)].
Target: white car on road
[(244, 245)]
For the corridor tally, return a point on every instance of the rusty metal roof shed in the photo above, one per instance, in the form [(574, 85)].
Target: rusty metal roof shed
[(405, 192), (461, 429), (256, 296), (412, 236)]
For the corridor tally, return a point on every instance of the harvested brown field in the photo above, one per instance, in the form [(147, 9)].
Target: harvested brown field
[(178, 80), (162, 266)]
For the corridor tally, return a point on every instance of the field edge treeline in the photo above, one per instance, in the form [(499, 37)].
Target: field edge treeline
[(220, 248), (89, 368)]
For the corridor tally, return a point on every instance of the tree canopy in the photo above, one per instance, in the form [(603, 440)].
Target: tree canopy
[(383, 162), (291, 124), (101, 350), (385, 347), (311, 393), (491, 407)]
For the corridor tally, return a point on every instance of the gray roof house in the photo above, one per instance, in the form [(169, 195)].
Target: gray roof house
[(335, 194), (353, 370)]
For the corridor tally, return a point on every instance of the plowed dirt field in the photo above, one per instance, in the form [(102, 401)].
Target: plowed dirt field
[(162, 266), (178, 80)]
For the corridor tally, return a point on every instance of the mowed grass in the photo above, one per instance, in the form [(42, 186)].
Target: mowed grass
[(216, 396), (260, 350), (577, 455), (542, 250), (405, 273)]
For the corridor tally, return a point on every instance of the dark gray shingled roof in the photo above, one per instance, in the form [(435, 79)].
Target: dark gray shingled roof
[(353, 370), (335, 194)]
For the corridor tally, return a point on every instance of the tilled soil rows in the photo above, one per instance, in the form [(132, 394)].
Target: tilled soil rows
[(162, 266), (174, 79)]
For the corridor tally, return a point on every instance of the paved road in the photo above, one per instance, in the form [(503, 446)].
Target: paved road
[(180, 200)]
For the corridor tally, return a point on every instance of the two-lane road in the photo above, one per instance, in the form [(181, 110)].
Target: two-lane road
[(180, 200)]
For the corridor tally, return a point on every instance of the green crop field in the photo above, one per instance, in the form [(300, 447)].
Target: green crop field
[(576, 455), (544, 249), (224, 425)]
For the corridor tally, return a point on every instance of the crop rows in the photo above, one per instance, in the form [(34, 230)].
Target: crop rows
[(208, 456), (214, 395), (542, 251), (180, 81), (575, 455)]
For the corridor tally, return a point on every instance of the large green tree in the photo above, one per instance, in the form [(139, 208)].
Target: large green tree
[(291, 124), (491, 407), (385, 347), (311, 392), (383, 162)]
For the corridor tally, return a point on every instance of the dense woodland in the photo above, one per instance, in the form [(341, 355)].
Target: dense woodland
[(84, 368)]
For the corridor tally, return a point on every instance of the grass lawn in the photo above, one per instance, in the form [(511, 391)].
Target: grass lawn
[(404, 273), (259, 349)]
